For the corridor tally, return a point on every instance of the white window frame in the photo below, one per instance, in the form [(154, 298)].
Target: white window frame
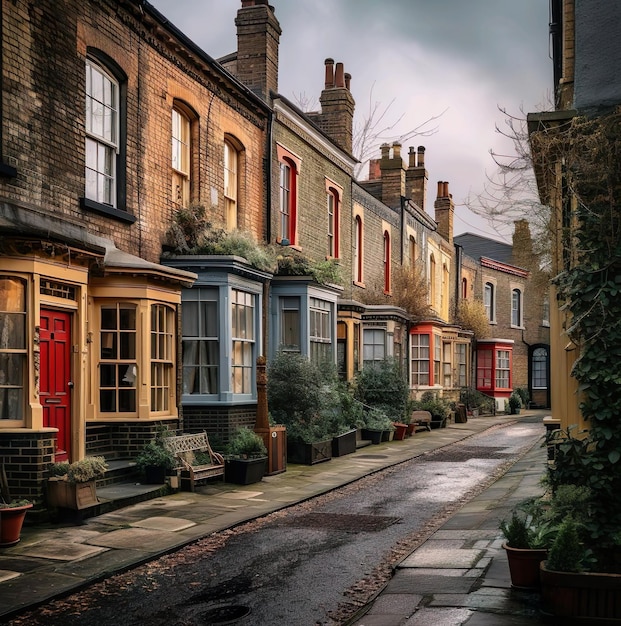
[(102, 129), (517, 308), (489, 301)]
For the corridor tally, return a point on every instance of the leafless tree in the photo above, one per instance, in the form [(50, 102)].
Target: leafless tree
[(510, 193), (376, 127)]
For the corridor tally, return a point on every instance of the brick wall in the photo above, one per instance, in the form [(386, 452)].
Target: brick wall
[(45, 50)]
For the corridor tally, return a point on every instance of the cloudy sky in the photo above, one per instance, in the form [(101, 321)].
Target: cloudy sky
[(457, 59)]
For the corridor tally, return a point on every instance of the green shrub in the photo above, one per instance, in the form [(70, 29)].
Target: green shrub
[(245, 443), (383, 385)]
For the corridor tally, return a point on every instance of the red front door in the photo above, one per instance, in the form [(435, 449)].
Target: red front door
[(55, 383)]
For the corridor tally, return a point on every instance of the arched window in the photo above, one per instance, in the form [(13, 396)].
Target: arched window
[(516, 307), (231, 184), (412, 251), (489, 300), (181, 151), (432, 281), (386, 262), (333, 207), (102, 134), (464, 288), (358, 249), (539, 368)]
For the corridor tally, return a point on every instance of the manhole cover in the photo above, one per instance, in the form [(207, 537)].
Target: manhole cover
[(342, 521), (371, 456), (224, 615)]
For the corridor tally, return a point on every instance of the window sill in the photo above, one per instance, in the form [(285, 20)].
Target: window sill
[(108, 211), (361, 285), (518, 327)]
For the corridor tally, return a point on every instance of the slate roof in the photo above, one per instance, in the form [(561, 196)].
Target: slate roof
[(476, 247)]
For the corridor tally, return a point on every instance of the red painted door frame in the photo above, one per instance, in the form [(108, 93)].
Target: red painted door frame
[(55, 381)]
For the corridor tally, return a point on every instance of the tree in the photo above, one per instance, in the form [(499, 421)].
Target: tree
[(510, 193)]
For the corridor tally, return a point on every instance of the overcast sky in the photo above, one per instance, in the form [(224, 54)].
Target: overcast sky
[(461, 57)]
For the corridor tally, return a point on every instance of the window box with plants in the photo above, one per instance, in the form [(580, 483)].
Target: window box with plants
[(12, 513), (73, 485), (245, 458)]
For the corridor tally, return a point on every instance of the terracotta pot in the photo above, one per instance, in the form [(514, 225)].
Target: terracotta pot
[(524, 566), (589, 597), (11, 522), (400, 431), (411, 429)]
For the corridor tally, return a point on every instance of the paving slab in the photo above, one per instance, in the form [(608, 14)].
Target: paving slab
[(440, 617), (170, 524), (396, 604), (406, 581), (58, 551), (443, 557), (130, 538)]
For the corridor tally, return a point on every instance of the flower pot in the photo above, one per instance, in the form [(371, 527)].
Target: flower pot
[(309, 453), (400, 431), (344, 444), (524, 566), (374, 436), (244, 471), (11, 522), (589, 597), (63, 494), (411, 429), (388, 435)]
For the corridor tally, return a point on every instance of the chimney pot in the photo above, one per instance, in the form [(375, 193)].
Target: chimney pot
[(396, 150), (440, 189), (329, 73), (421, 156), (385, 148), (347, 81), (339, 78), (411, 156)]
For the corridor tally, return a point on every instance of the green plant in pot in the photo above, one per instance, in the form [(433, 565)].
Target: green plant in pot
[(155, 461), (73, 485), (515, 403), (12, 513), (245, 457)]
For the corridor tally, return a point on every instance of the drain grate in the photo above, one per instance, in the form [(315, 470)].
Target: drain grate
[(223, 615), (371, 456), (342, 521)]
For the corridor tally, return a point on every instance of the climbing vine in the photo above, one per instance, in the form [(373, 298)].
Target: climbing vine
[(588, 153)]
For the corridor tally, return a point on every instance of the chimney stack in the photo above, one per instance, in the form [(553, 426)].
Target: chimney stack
[(393, 175), (444, 211), (337, 106), (258, 37), (416, 177)]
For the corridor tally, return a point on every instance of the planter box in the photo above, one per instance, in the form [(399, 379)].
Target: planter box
[(589, 597), (244, 471), (76, 496), (524, 566), (309, 453), (344, 444), (388, 435), (154, 475), (374, 436)]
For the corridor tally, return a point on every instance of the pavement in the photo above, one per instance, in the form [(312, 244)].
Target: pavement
[(458, 575)]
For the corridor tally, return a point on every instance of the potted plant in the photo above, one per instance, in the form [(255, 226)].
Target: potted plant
[(12, 513), (525, 551), (376, 423), (346, 417), (73, 485), (245, 458), (300, 396), (515, 403), (155, 462)]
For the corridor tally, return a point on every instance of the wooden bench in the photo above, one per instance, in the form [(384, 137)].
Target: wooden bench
[(422, 419), (184, 448)]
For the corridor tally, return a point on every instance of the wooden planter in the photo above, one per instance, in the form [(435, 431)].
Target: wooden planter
[(344, 444), (374, 436), (401, 431), (309, 453), (11, 522), (63, 494), (524, 566), (589, 597), (388, 435), (244, 471)]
